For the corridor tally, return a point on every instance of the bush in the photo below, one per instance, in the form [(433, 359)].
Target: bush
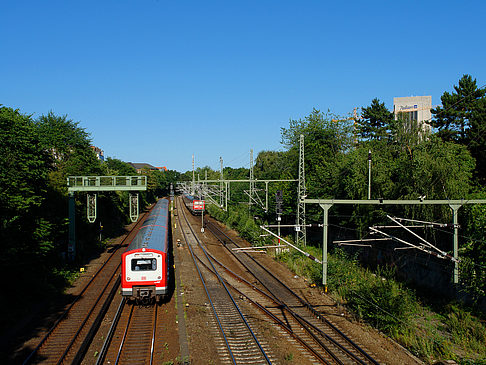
[(382, 301)]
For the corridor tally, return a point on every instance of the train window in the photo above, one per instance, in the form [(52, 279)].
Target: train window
[(144, 264)]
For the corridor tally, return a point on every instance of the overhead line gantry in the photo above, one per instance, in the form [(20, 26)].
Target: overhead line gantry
[(93, 184)]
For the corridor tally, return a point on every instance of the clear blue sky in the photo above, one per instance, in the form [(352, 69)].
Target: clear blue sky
[(156, 81)]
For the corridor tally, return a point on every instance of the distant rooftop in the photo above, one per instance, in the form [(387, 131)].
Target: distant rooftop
[(141, 165)]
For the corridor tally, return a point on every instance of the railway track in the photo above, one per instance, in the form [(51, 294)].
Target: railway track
[(322, 340), (131, 339), (239, 343), (69, 338)]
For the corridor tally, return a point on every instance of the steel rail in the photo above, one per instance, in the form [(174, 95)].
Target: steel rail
[(152, 347), (124, 336), (96, 324), (277, 320), (227, 291), (88, 315), (212, 227), (64, 314), (74, 302), (209, 298), (111, 332), (299, 319)]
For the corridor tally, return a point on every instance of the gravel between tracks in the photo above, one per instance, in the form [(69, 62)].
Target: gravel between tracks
[(202, 351), (197, 324)]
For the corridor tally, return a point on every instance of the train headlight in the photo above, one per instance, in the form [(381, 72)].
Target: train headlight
[(159, 277), (128, 279)]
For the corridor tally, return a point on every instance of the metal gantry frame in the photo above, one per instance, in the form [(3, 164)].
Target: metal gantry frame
[(93, 184), (211, 191), (326, 204)]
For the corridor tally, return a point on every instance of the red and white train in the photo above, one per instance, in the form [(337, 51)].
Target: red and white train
[(195, 206), (145, 269)]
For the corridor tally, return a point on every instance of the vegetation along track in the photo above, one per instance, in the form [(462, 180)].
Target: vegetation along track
[(239, 344), (69, 338), (294, 314)]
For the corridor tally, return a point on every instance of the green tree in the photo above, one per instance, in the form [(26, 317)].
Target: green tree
[(477, 138), (376, 122), (24, 165), (69, 146), (327, 139), (462, 119), (61, 136), (455, 117), (114, 166), (271, 165), (473, 252), (25, 232)]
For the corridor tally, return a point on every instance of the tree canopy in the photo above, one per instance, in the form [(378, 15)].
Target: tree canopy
[(376, 122)]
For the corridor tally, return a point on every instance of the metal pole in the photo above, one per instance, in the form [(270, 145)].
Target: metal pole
[(369, 174), (72, 228), (226, 193), (266, 198), (301, 231), (193, 177), (252, 184), (221, 176), (325, 231), (455, 208), (202, 221)]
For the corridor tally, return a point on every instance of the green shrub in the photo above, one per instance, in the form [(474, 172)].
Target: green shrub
[(380, 300)]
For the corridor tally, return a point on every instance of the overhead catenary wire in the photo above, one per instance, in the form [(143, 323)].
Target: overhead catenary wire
[(442, 253), (440, 263)]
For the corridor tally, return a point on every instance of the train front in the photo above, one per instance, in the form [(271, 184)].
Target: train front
[(145, 262)]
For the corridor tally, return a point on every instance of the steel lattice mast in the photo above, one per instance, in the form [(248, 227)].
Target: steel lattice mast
[(252, 182), (301, 194), (193, 177), (221, 183)]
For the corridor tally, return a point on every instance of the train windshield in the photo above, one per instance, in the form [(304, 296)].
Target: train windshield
[(144, 264)]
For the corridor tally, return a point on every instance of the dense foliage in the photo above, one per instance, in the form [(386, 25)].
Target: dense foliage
[(36, 156), (408, 162)]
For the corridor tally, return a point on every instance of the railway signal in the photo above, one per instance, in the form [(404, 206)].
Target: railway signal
[(200, 205), (278, 202), (278, 209)]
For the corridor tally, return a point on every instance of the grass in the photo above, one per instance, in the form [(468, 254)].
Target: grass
[(452, 332), (388, 305)]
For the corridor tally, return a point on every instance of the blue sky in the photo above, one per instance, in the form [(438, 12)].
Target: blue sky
[(157, 81)]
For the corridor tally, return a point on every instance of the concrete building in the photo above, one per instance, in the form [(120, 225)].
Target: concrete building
[(414, 108)]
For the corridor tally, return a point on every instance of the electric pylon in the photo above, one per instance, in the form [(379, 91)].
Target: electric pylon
[(221, 177), (193, 177), (301, 237), (252, 182)]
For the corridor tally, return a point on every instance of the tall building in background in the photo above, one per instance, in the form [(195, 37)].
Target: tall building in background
[(414, 108)]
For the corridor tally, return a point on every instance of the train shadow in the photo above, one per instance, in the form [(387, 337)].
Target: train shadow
[(41, 316), (27, 318)]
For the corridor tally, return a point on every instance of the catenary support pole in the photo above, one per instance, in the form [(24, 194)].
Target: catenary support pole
[(326, 208), (72, 227), (266, 197), (369, 174), (455, 221)]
